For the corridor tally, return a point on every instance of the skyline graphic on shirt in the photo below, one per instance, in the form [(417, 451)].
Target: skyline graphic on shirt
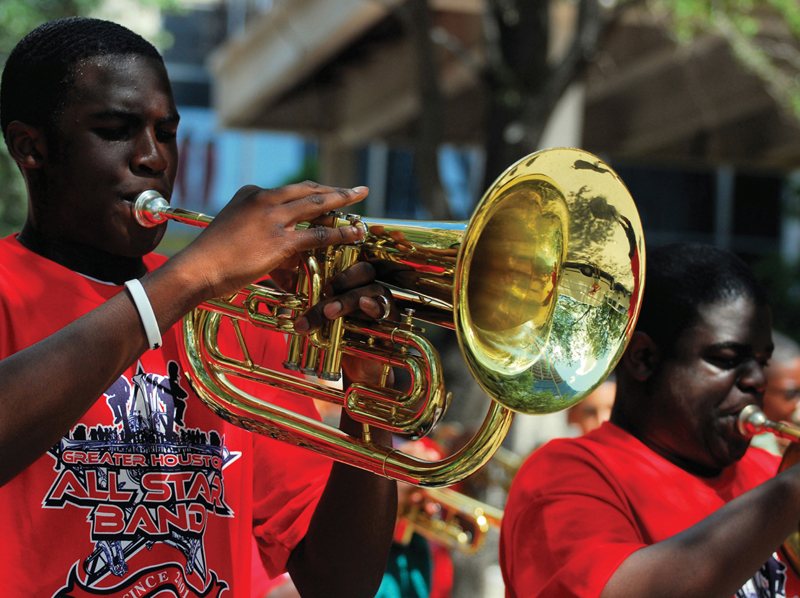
[(146, 479), (768, 582)]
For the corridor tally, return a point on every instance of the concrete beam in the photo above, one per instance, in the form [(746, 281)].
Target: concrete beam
[(288, 43), (282, 47), (367, 111)]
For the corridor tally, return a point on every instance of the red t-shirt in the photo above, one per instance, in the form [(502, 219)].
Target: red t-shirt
[(150, 490), (579, 507)]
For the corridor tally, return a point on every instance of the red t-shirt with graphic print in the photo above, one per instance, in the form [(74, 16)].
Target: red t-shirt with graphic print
[(151, 491), (578, 507)]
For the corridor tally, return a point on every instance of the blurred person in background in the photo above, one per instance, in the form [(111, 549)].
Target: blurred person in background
[(783, 391), (595, 409)]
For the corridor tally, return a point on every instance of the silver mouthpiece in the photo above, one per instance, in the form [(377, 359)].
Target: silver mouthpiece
[(148, 208)]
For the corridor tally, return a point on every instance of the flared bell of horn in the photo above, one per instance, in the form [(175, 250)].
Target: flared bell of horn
[(542, 285)]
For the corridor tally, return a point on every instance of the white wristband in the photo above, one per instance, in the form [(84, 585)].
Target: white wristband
[(146, 314)]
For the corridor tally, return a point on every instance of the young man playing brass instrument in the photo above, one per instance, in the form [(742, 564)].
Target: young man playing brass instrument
[(666, 499), (115, 479)]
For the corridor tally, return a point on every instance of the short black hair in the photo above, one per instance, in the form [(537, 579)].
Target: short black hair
[(40, 70), (683, 277)]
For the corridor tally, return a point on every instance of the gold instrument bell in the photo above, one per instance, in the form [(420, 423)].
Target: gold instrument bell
[(542, 286)]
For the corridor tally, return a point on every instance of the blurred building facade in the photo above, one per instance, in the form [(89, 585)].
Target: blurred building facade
[(702, 145)]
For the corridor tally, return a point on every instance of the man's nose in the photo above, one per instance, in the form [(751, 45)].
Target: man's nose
[(753, 378), (149, 156)]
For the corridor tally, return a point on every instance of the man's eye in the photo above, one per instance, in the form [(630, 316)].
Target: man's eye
[(112, 133), (725, 363), (165, 136)]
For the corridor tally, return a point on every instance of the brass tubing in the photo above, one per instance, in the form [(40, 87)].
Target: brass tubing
[(332, 361), (316, 342), (252, 413), (296, 349), (427, 392)]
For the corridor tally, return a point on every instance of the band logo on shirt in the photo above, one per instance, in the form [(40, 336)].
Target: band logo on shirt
[(145, 480), (768, 582)]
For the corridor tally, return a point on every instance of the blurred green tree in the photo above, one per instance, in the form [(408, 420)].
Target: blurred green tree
[(525, 83), (763, 34)]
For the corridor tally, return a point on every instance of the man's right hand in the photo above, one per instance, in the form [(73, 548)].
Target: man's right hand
[(255, 233)]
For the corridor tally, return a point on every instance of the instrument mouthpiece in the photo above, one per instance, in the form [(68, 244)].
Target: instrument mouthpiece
[(752, 421), (148, 208)]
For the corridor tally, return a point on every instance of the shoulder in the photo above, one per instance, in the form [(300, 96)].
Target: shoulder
[(10, 270), (597, 446), (154, 260), (20, 268), (13, 257), (759, 461), (568, 464)]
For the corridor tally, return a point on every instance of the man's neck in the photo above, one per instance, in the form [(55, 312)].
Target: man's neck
[(83, 259), (695, 468)]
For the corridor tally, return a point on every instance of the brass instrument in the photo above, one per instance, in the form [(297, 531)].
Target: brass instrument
[(447, 517), (542, 286), (753, 421)]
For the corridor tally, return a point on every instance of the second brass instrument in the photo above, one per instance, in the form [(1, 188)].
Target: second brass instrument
[(542, 286), (754, 421), (448, 517)]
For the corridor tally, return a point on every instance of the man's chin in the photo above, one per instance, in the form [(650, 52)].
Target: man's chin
[(140, 245), (737, 449)]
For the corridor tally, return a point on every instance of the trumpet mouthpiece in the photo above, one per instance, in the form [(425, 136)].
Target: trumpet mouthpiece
[(752, 421), (148, 208)]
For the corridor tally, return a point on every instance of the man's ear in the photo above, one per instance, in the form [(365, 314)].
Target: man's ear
[(26, 144), (641, 357)]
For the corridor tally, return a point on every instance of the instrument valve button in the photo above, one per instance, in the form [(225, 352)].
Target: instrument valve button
[(284, 323), (407, 322), (292, 303), (329, 376), (355, 220)]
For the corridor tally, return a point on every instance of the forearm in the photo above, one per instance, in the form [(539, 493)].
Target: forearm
[(47, 387), (345, 550), (253, 234), (715, 557)]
